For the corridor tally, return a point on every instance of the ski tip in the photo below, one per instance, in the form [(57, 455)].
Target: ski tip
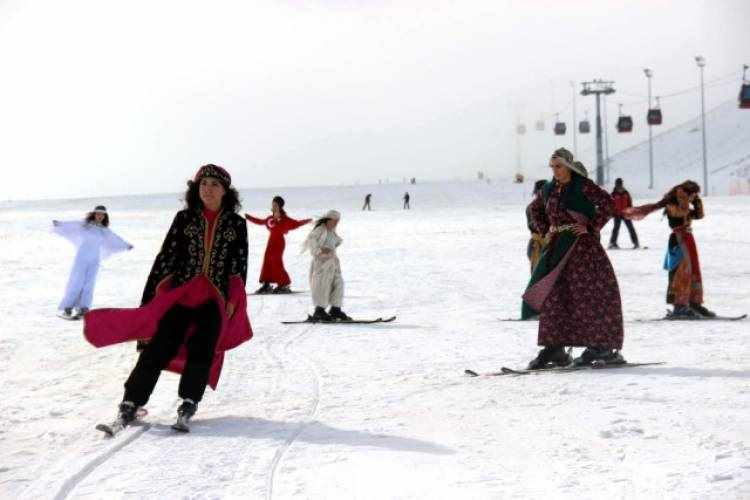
[(181, 428), (471, 373), (106, 429)]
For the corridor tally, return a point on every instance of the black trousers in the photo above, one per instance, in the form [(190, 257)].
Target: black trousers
[(616, 230), (164, 346)]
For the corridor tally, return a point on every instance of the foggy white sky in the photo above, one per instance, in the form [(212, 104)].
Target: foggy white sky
[(100, 97)]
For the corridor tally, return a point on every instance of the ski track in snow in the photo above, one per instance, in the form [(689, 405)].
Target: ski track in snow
[(383, 411)]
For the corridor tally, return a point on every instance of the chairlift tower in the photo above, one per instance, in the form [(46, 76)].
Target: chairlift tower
[(598, 88)]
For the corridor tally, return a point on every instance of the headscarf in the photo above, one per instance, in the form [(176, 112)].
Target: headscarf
[(568, 160)]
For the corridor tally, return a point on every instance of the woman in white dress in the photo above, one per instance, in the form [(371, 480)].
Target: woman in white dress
[(94, 241), (326, 282)]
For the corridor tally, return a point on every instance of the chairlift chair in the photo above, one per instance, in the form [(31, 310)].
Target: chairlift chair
[(624, 123), (584, 126), (560, 127), (539, 125), (745, 89), (654, 114), (520, 129)]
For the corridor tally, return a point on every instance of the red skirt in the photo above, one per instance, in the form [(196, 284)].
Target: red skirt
[(103, 327)]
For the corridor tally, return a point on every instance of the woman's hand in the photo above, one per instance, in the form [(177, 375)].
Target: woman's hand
[(579, 229), (230, 310)]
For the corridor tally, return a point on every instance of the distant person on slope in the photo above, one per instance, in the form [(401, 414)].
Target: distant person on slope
[(94, 241), (368, 198), (681, 205), (622, 201), (326, 282), (406, 201), (573, 288), (194, 303), (538, 239), (278, 224)]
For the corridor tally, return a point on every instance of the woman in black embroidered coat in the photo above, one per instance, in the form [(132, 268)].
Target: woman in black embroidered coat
[(194, 303)]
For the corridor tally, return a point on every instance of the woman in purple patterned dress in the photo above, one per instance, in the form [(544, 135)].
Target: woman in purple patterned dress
[(573, 288)]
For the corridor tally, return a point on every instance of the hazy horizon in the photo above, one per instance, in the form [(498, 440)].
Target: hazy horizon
[(103, 100)]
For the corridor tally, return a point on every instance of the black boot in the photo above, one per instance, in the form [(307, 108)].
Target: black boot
[(550, 355), (266, 288), (337, 314), (184, 413), (282, 289), (68, 312), (127, 413), (701, 309), (684, 312), (602, 355), (320, 314)]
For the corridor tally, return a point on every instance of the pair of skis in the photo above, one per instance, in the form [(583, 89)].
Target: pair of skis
[(340, 322), (594, 366)]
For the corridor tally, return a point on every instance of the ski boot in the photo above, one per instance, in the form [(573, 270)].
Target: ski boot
[(613, 246), (127, 413), (282, 289), (67, 313), (184, 413), (701, 309), (266, 288), (553, 355), (337, 314), (684, 312), (599, 356), (81, 312), (320, 314)]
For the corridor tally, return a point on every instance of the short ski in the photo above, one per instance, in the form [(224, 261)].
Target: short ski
[(293, 292), (670, 317), (181, 425), (114, 428), (72, 317), (510, 371), (339, 322), (530, 320)]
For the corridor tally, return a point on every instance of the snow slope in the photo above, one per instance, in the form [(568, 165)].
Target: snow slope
[(678, 153), (382, 411)]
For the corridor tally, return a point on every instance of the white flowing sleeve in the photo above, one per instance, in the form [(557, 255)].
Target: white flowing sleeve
[(112, 244), (314, 241), (70, 230)]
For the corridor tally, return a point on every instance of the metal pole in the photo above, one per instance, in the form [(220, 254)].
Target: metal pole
[(649, 73), (703, 128), (575, 124), (599, 151), (606, 138)]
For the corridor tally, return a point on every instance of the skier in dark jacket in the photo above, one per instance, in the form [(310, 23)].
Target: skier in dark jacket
[(366, 206), (406, 201), (622, 201)]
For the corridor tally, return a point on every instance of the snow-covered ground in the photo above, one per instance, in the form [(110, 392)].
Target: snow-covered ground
[(382, 411)]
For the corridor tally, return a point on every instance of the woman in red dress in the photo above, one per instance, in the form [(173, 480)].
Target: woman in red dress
[(278, 224)]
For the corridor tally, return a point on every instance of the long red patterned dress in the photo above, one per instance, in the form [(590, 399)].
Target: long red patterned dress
[(273, 270), (577, 296)]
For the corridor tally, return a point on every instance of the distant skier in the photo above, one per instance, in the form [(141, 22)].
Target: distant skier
[(94, 241), (326, 282), (573, 288), (278, 224), (622, 200), (538, 241), (406, 201), (368, 198), (681, 205), (194, 302)]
